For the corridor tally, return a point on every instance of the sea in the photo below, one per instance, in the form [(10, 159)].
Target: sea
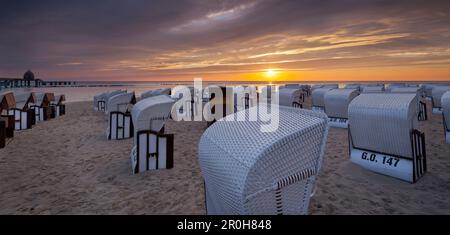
[(86, 90)]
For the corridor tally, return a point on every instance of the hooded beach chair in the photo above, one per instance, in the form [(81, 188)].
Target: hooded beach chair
[(383, 135), (247, 171), (336, 106), (152, 149), (7, 125), (41, 106), (445, 102), (100, 102), (59, 106), (120, 125), (152, 93), (422, 106), (292, 97), (436, 95), (318, 98), (24, 115)]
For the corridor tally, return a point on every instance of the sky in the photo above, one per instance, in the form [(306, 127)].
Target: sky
[(245, 40)]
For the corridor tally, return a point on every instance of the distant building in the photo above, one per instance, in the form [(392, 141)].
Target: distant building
[(28, 76), (29, 80)]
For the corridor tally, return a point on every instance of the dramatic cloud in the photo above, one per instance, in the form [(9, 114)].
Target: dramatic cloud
[(223, 39)]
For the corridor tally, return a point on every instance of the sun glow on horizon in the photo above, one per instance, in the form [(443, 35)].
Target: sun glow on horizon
[(271, 73)]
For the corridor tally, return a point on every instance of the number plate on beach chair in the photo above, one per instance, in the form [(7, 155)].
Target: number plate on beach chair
[(338, 122), (385, 164)]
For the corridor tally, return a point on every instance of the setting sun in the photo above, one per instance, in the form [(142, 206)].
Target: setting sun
[(270, 73)]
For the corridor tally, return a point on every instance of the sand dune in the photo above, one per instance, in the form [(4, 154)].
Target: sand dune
[(66, 166)]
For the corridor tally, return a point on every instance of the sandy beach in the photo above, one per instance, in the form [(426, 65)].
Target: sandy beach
[(67, 166)]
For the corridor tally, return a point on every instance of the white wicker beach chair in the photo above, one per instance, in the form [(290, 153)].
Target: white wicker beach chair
[(23, 114), (152, 148), (7, 125), (292, 97), (58, 105), (41, 107), (336, 106), (383, 135), (318, 99), (247, 171), (120, 125), (436, 95), (445, 102)]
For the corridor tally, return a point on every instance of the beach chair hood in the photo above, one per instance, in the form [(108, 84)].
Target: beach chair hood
[(383, 122), (43, 99), (318, 96), (244, 167), (152, 113), (287, 96), (120, 102), (22, 99), (7, 101), (337, 101)]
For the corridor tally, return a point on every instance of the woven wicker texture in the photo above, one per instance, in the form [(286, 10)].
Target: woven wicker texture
[(383, 122), (318, 96), (287, 96), (243, 166), (337, 101), (437, 93), (445, 101), (120, 102)]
